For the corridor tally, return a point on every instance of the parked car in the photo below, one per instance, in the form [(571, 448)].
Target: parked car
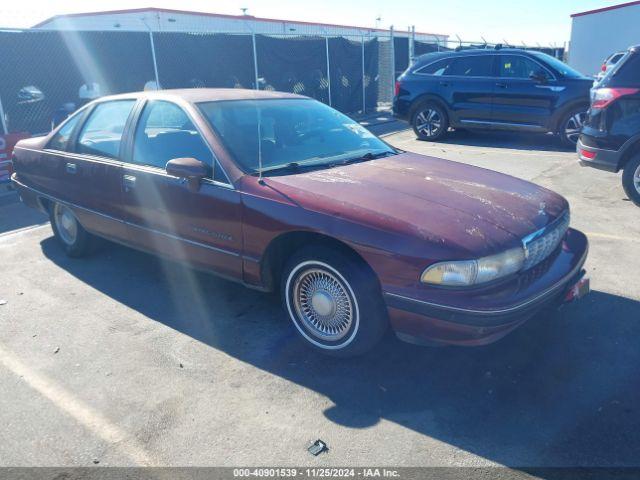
[(608, 64), (610, 138), (500, 89), (281, 192)]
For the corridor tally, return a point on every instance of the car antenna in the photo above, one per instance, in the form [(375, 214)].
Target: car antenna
[(260, 180)]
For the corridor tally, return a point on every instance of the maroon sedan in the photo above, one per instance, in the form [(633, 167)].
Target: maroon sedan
[(278, 191)]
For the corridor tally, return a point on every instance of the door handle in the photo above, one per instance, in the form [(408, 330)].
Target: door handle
[(501, 85), (128, 182), (72, 168), (444, 84)]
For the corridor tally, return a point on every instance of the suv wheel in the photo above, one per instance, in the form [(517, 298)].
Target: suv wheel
[(571, 126), (334, 301), (430, 121), (631, 179), (75, 239)]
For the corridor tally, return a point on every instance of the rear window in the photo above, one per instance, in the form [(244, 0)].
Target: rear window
[(625, 73)]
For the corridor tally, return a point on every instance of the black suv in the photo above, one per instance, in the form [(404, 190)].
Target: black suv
[(610, 138), (501, 88)]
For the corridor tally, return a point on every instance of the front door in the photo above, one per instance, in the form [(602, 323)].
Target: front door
[(520, 101), (163, 213)]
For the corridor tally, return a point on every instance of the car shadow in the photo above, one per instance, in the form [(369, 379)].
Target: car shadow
[(14, 215), (563, 390), (505, 139)]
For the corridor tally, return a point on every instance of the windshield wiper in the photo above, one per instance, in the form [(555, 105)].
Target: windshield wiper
[(292, 167), (363, 158)]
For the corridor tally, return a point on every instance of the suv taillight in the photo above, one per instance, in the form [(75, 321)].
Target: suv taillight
[(397, 89), (602, 97)]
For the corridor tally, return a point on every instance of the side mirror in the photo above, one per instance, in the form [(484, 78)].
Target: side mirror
[(188, 168), (538, 76)]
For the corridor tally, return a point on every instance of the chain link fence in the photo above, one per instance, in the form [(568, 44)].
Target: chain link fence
[(49, 74)]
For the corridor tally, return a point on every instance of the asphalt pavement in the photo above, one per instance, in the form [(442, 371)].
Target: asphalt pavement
[(124, 359)]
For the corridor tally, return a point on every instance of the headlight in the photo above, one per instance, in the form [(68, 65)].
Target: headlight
[(474, 272)]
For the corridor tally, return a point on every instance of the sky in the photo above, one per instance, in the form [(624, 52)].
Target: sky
[(546, 22)]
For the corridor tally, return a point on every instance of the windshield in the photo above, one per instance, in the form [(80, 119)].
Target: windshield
[(292, 132), (564, 69)]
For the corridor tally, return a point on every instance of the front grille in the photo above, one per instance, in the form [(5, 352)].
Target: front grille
[(539, 245)]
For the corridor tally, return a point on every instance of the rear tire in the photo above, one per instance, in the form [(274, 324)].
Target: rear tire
[(430, 121), (571, 125), (334, 301), (631, 179), (75, 240)]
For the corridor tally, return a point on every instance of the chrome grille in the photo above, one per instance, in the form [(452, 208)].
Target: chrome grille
[(539, 245)]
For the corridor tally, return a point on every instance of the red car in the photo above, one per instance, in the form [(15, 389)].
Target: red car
[(280, 192)]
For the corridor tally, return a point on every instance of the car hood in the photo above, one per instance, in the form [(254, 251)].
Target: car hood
[(452, 204)]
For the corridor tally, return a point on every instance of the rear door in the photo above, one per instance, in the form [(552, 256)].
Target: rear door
[(467, 84), (519, 101), (92, 170), (163, 214)]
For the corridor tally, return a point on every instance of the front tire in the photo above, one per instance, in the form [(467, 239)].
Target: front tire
[(334, 301), (571, 126), (75, 240), (631, 179), (430, 122)]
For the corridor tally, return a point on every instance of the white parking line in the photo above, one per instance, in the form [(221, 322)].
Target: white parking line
[(88, 417), (24, 229), (612, 237)]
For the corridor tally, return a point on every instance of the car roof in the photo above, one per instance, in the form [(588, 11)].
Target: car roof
[(470, 52), (198, 95)]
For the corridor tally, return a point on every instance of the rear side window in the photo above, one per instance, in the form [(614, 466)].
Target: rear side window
[(102, 132), (626, 72), (61, 138), (472, 66), (436, 68)]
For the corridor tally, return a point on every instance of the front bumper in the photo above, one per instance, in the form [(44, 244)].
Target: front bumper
[(483, 316), (608, 160)]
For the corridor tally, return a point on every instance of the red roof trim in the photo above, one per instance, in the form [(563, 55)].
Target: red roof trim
[(605, 9), (217, 15)]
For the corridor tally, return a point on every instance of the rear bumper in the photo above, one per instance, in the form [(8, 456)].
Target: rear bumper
[(420, 320), (608, 160)]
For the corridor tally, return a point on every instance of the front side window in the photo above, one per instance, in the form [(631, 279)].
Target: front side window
[(60, 139), (293, 133), (102, 132), (165, 132), (516, 66), (472, 66)]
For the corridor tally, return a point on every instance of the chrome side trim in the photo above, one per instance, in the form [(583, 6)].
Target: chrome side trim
[(489, 122), (511, 309), (109, 217)]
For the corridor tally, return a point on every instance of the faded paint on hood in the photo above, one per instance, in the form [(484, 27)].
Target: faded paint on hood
[(444, 202)]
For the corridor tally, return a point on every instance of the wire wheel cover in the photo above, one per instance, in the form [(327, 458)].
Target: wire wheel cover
[(323, 304)]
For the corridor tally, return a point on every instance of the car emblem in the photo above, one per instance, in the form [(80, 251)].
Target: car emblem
[(543, 206)]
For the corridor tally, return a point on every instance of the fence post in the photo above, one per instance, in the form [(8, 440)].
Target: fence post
[(364, 90), (3, 121), (255, 60), (393, 62), (153, 56), (326, 44)]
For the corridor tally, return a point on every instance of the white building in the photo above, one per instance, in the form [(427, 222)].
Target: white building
[(165, 20), (596, 34)]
